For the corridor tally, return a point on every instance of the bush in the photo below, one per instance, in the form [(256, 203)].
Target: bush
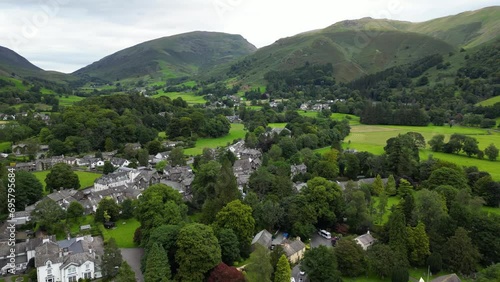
[(435, 262), (400, 275)]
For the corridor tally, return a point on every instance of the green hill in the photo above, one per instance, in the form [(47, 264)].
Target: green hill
[(10, 62), (168, 57), (365, 46), (468, 29)]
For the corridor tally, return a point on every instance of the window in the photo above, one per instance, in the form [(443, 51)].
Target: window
[(87, 275), (72, 279), (49, 279), (49, 271)]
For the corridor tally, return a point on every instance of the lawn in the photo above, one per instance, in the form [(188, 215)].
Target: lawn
[(84, 220), (392, 201), (236, 132), (69, 100), (4, 146), (491, 210), (277, 125), (123, 233), (86, 178), (189, 97), (372, 138), (489, 102)]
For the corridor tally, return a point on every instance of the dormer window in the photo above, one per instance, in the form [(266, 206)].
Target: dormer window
[(49, 264), (87, 266), (72, 270)]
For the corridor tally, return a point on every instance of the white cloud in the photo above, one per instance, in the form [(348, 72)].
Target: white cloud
[(66, 35)]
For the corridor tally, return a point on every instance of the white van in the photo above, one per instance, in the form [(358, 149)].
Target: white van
[(325, 234)]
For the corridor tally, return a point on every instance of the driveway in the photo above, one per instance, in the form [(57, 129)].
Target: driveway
[(133, 258), (317, 240), (296, 274)]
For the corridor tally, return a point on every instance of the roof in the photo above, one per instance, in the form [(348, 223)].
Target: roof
[(293, 247), (263, 238), (365, 239), (447, 278)]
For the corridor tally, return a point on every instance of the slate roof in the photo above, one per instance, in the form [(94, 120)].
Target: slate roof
[(293, 247), (365, 239), (447, 278), (263, 238)]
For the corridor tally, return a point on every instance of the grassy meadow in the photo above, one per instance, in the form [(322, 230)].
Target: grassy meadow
[(489, 102), (236, 132), (86, 178), (189, 97), (123, 233), (372, 138), (4, 146)]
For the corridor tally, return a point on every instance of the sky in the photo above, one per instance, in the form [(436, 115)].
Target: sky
[(66, 35)]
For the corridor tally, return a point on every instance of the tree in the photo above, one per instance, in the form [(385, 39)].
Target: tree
[(390, 187), (111, 260), (352, 166), (28, 189), (382, 259), (259, 267), (108, 144), (160, 166), (382, 205), (491, 152), (157, 265), (435, 263), (275, 256), (357, 211), (127, 208), (437, 143), (378, 186), (143, 157), (400, 275), (107, 206), (229, 245), (176, 157), (159, 205), (460, 254), (74, 211), (470, 146), (350, 258), (61, 176), (430, 208), (224, 273), (125, 273), (398, 236), (447, 176), (226, 187), (418, 244), (283, 271), (402, 155), (320, 264), (238, 217), (48, 214), (108, 167), (268, 214), (491, 273), (198, 252)]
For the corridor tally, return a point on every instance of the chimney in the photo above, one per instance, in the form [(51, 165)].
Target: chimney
[(368, 232)]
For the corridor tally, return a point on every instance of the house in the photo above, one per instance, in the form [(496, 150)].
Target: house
[(183, 175), (20, 217), (234, 119), (294, 250), (63, 197), (298, 169), (119, 162), (69, 260), (365, 240), (304, 106), (25, 251), (19, 149), (263, 238), (118, 178), (30, 166), (447, 278)]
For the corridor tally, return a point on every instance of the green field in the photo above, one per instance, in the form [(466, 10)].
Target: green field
[(86, 178), (491, 210), (236, 132), (4, 146), (372, 138), (489, 102), (69, 100), (392, 201), (189, 97), (277, 125), (123, 233)]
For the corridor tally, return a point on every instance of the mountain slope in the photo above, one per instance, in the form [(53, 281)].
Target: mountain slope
[(466, 29), (178, 55), (359, 47), (10, 62)]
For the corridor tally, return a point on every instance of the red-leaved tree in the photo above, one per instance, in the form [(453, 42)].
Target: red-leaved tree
[(224, 273)]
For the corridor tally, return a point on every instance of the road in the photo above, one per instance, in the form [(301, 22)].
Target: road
[(317, 240), (296, 274), (133, 258)]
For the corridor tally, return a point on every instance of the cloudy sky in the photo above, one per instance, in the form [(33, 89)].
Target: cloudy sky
[(65, 35)]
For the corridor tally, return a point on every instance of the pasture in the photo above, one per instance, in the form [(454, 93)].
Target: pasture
[(189, 97), (4, 146), (372, 138), (86, 178), (69, 100), (489, 102), (236, 132)]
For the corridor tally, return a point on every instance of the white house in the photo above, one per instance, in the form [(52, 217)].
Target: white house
[(69, 260), (365, 240)]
